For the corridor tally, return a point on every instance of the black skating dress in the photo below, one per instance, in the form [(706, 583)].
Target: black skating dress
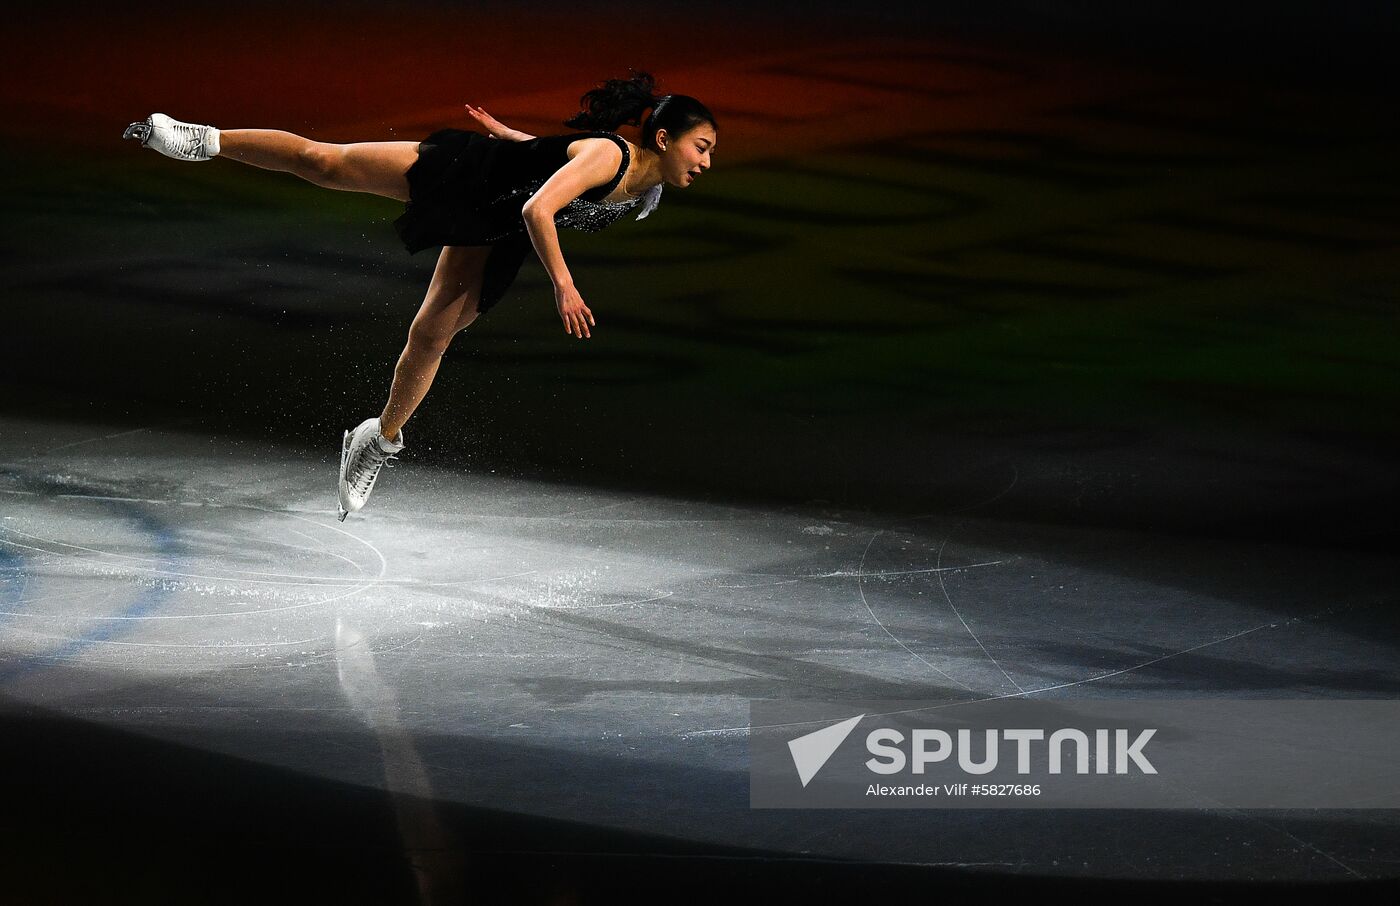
[(468, 189)]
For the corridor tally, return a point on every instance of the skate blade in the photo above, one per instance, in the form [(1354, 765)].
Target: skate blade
[(344, 452)]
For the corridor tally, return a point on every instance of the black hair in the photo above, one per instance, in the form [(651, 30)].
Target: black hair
[(620, 102)]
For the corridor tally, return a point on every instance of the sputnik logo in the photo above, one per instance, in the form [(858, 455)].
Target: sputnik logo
[(811, 752)]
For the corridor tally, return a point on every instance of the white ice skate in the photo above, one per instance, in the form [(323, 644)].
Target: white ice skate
[(363, 453), (182, 141)]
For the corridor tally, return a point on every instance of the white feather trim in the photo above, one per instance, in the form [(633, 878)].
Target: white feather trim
[(650, 198)]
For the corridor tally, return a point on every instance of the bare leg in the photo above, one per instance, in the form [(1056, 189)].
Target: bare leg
[(374, 167), (448, 308)]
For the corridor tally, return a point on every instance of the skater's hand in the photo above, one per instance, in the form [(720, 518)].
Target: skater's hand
[(494, 127), (577, 318)]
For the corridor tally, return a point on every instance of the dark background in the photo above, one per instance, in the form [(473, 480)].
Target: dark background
[(1135, 260)]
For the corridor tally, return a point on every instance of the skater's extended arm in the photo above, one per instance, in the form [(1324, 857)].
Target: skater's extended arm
[(572, 311), (593, 166), (494, 127)]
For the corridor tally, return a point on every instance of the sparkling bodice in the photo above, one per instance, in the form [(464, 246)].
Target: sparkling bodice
[(592, 216)]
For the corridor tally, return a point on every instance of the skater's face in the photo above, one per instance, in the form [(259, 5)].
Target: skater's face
[(686, 157)]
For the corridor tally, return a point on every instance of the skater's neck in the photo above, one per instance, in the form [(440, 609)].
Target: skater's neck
[(648, 173)]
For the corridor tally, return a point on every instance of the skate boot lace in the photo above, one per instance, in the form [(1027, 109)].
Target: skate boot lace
[(367, 465), (187, 140)]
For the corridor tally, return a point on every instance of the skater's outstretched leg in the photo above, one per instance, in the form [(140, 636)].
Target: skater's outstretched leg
[(379, 168), (375, 167)]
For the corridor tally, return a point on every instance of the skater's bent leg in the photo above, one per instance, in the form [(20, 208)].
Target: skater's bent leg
[(450, 306), (375, 167)]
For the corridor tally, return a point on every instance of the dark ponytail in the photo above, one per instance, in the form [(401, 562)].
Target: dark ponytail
[(620, 102), (615, 102)]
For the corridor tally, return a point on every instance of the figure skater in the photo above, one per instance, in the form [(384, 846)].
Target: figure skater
[(487, 199)]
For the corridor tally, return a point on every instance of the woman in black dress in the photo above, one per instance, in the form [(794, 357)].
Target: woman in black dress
[(488, 200)]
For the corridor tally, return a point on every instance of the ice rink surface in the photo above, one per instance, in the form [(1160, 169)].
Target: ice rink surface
[(563, 653)]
